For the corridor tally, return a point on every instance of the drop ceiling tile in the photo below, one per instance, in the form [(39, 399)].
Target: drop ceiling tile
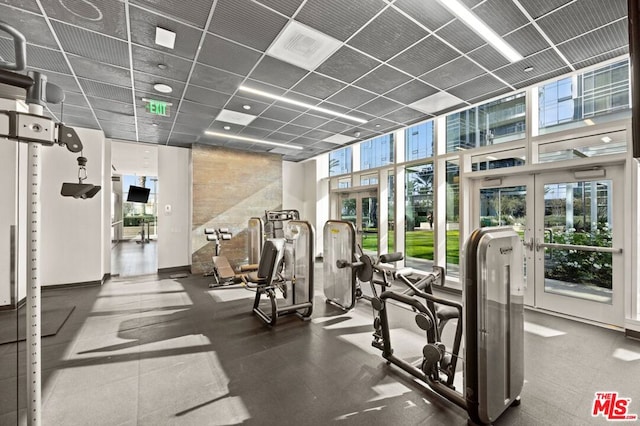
[(194, 12), (197, 109), (105, 16), (406, 115), (542, 63), (114, 127), (380, 125), (411, 91), (159, 136), (601, 58), (537, 8), (92, 45), (246, 22), (145, 82), (33, 26), (106, 91), (280, 114), (93, 70), (183, 140), (317, 86), (460, 36), (29, 5), (292, 129), (338, 18), (280, 137), (501, 16), (206, 96), (237, 103), (267, 124), (453, 73), (195, 121), (70, 110), (347, 65), (76, 99), (212, 78), (380, 106), (381, 38), (527, 40), (37, 57), (318, 134), (382, 79), (580, 17), (303, 141), (488, 57), (143, 32), (87, 122), (325, 146), (477, 87), (109, 105), (430, 14), (190, 129), (426, 55), (335, 126), (115, 117), (121, 135), (308, 120), (276, 72), (288, 7), (228, 56), (147, 60), (351, 97), (595, 43)]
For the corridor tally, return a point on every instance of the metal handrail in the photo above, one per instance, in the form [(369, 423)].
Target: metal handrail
[(596, 249)]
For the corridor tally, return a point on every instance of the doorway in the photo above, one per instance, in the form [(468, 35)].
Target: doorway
[(572, 237), (361, 208)]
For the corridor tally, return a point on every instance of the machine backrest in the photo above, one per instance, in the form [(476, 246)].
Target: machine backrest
[(268, 260)]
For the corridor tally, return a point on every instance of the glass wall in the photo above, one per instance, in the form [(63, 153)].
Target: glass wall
[(391, 214), (377, 152), (419, 216), (340, 161), (500, 121), (585, 99), (453, 217), (419, 141)]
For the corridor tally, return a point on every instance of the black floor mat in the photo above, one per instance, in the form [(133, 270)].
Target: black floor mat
[(52, 321)]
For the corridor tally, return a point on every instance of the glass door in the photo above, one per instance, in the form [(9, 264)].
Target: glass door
[(361, 209), (578, 244), (572, 238), (506, 202)]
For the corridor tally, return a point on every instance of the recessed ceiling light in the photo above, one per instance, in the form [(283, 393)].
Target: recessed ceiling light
[(377, 125), (162, 88), (302, 104), (436, 102), (165, 38), (356, 134), (463, 13), (162, 66), (227, 127), (528, 69), (154, 125), (242, 138), (247, 107), (606, 139)]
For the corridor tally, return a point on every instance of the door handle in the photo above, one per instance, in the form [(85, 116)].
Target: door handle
[(528, 244)]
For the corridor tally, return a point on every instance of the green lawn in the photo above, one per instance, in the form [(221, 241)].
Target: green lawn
[(419, 244)]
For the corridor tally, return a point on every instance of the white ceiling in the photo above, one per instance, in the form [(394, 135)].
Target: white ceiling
[(136, 159)]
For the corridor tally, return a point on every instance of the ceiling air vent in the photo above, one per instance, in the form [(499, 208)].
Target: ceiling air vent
[(303, 46)]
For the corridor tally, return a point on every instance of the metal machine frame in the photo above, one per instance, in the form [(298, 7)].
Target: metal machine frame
[(493, 324), (286, 267)]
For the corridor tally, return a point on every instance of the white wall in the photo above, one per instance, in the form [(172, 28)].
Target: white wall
[(293, 187), (73, 229), (8, 155), (174, 190)]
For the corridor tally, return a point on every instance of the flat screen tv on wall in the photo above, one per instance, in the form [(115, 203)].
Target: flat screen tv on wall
[(138, 194)]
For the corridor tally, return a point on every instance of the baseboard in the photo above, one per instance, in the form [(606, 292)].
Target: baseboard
[(71, 285), (105, 278), (20, 304), (632, 334), (173, 269)]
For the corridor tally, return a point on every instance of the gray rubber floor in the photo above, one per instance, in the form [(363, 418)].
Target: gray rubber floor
[(159, 351)]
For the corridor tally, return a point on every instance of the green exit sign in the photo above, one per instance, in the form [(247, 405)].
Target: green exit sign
[(158, 107)]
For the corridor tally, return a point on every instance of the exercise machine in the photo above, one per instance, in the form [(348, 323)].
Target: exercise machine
[(222, 271), (260, 229), (492, 317), (285, 274), (37, 130)]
